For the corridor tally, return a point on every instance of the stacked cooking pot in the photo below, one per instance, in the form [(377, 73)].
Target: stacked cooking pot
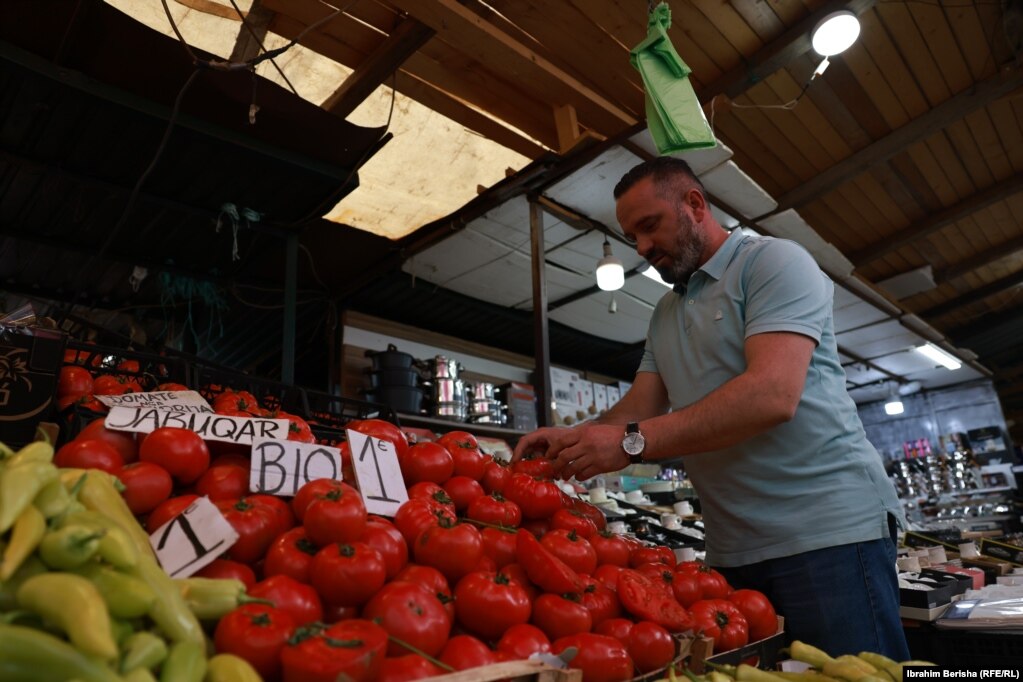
[(450, 400), (395, 381)]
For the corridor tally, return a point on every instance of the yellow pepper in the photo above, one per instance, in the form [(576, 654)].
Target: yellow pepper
[(28, 530), (73, 604)]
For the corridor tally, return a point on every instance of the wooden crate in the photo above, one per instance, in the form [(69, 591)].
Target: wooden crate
[(513, 671)]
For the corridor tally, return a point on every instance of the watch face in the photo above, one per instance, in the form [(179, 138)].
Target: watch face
[(633, 443)]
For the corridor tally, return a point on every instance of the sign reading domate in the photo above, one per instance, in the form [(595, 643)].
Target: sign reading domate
[(219, 427), (173, 401)]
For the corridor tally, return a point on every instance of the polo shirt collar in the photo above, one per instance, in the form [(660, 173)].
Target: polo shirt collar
[(716, 264)]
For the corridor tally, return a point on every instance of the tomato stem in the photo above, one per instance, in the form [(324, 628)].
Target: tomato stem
[(420, 652)]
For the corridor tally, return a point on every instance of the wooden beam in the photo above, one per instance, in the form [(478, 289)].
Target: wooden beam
[(1008, 248), (211, 7), (979, 294), (469, 33), (252, 33), (940, 220), (406, 38), (792, 43), (953, 109)]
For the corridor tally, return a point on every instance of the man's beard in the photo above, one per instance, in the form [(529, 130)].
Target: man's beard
[(685, 257)]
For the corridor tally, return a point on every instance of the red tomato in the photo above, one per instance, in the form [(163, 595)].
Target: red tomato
[(590, 511), (487, 604), (432, 492), (608, 574), (465, 451), (646, 600), (255, 526), (238, 401), (516, 573), (354, 648), (333, 614), (652, 555), (543, 568), (336, 516), (453, 549), (348, 575), (522, 641), (568, 519), (298, 428), (230, 570), (722, 620), (426, 461), (536, 498), (601, 602), (650, 646), (181, 452), (758, 611), (433, 580), (412, 614), (576, 552), (309, 492), (712, 584), (495, 509), (85, 402), (257, 633), (172, 386), (280, 510), (224, 481), (463, 491), (463, 652), (610, 549), (495, 476), (291, 554), (224, 457), (619, 628), (601, 658), (500, 545), (661, 575), (538, 467), (378, 428), (407, 668), (167, 510), (559, 617), (685, 585), (299, 599), (108, 384), (73, 381), (89, 454), (146, 485), (382, 536), (416, 516), (122, 441)]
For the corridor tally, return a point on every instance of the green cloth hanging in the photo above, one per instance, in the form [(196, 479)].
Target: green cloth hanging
[(674, 115)]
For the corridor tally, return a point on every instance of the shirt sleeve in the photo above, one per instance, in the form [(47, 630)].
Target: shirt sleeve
[(648, 363), (786, 291)]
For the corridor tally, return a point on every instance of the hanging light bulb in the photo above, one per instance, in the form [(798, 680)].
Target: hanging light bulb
[(610, 272), (894, 405), (835, 33)]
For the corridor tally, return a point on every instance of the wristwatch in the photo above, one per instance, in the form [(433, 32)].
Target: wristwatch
[(633, 443)]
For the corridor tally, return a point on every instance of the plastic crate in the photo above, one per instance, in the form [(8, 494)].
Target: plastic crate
[(763, 654), (334, 412), (273, 395), (148, 369)]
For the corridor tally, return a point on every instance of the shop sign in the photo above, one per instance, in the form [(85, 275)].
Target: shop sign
[(218, 427), (377, 471), (172, 401), (281, 467), (192, 539)]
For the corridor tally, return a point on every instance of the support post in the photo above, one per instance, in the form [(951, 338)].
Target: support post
[(290, 296), (541, 342)]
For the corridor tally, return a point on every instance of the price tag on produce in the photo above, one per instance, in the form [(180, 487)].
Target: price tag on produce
[(281, 467), (377, 471), (219, 427), (192, 539), (171, 401)]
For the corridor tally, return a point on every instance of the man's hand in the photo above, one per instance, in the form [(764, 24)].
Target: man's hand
[(583, 452)]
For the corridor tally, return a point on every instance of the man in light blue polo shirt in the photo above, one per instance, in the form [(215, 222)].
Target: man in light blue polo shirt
[(741, 378)]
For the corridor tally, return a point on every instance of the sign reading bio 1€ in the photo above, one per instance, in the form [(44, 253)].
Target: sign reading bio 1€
[(281, 467)]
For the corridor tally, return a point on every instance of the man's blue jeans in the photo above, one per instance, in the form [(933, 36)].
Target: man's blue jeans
[(842, 599)]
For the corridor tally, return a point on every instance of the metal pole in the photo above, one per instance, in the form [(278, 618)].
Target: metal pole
[(290, 295), (541, 342)]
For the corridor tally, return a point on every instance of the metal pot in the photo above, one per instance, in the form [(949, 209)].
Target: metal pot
[(391, 358), (445, 368), (394, 377), (480, 390)]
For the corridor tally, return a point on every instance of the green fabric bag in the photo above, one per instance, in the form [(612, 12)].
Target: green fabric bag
[(673, 112)]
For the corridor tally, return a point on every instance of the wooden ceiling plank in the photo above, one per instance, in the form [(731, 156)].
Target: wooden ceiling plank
[(972, 39), (752, 155), (699, 30), (908, 204), (469, 33), (939, 220), (887, 203), (807, 112), (878, 42), (986, 138), (827, 100), (761, 17), (578, 42), (1007, 249), (890, 145), (857, 99), (1007, 126), (965, 147), (785, 48), (858, 214), (360, 39), (406, 39), (251, 33), (944, 50), (768, 124), (732, 25), (929, 171), (872, 79), (791, 129), (897, 18)]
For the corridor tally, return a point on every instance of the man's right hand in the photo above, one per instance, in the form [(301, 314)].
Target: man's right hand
[(538, 441)]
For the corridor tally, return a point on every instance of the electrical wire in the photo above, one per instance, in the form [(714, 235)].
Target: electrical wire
[(259, 42)]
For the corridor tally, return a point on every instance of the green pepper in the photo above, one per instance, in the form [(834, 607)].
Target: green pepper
[(230, 668), (36, 451), (126, 596), (116, 546), (99, 493), (74, 605), (18, 487), (186, 662), (139, 675), (28, 530), (214, 598), (30, 654), (142, 650), (9, 588), (70, 546), (6, 452), (53, 499), (121, 630)]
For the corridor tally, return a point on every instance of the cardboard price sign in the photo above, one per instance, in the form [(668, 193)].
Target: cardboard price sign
[(219, 427), (281, 467), (192, 539), (376, 469), (172, 401)]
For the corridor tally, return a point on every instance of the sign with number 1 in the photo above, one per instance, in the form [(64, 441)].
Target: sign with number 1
[(192, 539), (377, 471)]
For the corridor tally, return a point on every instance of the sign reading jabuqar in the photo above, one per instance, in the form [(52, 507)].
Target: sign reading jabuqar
[(281, 467), (219, 427)]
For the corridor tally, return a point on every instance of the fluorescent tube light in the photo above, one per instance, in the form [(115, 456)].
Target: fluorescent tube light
[(939, 356)]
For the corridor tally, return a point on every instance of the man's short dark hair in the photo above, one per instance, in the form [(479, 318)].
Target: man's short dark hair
[(666, 172)]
